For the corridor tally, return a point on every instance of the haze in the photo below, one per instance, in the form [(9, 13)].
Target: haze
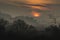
[(25, 8)]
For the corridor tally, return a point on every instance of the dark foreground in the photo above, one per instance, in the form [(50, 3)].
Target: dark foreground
[(30, 36)]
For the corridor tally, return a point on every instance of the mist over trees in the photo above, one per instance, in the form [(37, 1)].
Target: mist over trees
[(19, 29)]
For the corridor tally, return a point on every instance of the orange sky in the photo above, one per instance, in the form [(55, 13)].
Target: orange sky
[(40, 2), (35, 1)]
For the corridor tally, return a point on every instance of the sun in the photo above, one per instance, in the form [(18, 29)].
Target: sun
[(35, 14)]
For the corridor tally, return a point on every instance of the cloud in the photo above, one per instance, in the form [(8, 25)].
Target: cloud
[(33, 4), (24, 7), (38, 1), (14, 10), (33, 1)]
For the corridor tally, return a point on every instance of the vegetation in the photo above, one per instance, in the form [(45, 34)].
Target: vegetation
[(19, 29)]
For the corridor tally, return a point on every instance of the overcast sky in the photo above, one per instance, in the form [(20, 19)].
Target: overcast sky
[(25, 8)]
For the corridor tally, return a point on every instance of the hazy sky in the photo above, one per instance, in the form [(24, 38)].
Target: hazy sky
[(25, 8)]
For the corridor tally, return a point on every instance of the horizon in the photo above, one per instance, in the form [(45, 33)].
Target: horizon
[(39, 9)]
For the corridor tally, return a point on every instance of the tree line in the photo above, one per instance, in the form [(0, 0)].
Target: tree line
[(19, 29)]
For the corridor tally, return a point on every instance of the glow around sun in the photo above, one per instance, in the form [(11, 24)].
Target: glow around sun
[(35, 14)]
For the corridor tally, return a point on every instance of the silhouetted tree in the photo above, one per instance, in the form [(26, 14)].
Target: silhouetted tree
[(31, 28), (53, 31), (21, 26), (2, 25)]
